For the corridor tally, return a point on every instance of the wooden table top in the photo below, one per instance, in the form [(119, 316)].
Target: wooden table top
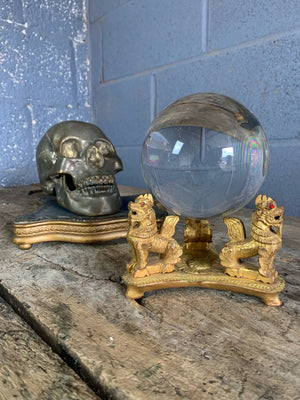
[(78, 337)]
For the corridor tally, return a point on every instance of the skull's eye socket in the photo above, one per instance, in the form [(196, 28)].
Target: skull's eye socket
[(104, 147), (70, 149)]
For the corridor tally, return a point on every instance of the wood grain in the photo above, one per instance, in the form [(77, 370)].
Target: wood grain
[(185, 343), (29, 369)]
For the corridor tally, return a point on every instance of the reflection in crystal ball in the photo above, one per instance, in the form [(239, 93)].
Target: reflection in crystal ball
[(204, 155)]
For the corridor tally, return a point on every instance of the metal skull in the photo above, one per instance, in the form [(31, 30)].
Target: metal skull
[(77, 163)]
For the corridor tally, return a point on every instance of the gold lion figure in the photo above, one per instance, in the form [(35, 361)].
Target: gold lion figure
[(265, 240), (143, 237)]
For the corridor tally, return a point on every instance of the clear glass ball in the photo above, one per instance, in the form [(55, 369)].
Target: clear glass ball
[(205, 155)]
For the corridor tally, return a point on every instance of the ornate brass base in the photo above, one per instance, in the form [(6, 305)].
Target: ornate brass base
[(53, 223), (200, 264), (76, 232), (203, 269)]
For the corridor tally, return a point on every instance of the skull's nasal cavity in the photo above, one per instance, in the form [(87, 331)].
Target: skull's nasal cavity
[(70, 183)]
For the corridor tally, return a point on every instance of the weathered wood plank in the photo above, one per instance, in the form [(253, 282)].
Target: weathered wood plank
[(29, 369), (189, 343)]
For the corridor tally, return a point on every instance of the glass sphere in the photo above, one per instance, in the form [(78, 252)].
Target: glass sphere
[(205, 155)]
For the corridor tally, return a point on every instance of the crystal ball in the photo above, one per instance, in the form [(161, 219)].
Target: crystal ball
[(204, 155)]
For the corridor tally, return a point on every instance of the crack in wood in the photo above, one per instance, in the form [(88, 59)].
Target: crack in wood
[(57, 346)]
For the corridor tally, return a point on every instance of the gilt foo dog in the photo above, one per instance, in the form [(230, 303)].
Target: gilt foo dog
[(265, 240), (143, 237)]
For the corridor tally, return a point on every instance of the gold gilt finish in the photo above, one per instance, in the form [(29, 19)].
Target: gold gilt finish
[(143, 237), (265, 241), (200, 264), (50, 222), (77, 232)]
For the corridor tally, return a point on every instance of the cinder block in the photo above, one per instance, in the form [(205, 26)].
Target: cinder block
[(65, 17), (265, 78), (43, 78), (122, 110), (16, 151), (233, 22), (132, 171), (96, 54), (81, 75), (282, 180), (50, 69), (13, 177), (12, 11), (13, 60), (100, 8), (147, 34), (44, 117)]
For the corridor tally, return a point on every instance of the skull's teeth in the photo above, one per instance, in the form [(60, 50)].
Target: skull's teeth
[(97, 189), (97, 182)]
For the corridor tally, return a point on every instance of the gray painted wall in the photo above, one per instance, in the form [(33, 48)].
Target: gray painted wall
[(143, 55), (43, 78), (146, 54)]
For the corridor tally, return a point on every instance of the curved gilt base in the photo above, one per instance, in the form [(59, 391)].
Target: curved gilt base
[(76, 232), (204, 271), (50, 222)]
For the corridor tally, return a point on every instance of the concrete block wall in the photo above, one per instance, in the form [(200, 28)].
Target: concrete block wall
[(43, 78), (147, 53)]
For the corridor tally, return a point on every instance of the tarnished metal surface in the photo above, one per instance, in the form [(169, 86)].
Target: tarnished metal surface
[(78, 163)]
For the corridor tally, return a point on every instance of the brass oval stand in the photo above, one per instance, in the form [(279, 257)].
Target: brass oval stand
[(51, 222)]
